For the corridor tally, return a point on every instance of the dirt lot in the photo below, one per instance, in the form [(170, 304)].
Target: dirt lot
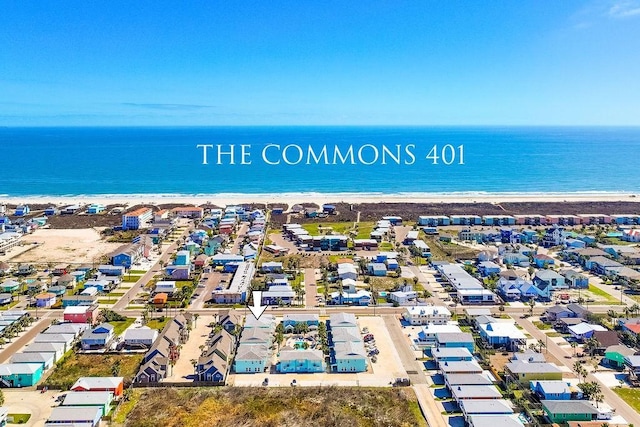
[(77, 246)]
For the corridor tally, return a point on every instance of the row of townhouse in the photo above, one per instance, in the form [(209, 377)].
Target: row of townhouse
[(255, 344), (164, 350), (347, 351), (467, 289), (527, 219)]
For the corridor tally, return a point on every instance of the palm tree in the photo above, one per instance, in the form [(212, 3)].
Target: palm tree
[(574, 344), (634, 309)]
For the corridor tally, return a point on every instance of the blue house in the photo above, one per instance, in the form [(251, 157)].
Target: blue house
[(223, 259), (20, 374), (182, 258), (330, 209), (349, 357), (22, 210), (51, 211), (555, 390), (575, 279), (100, 285), (111, 270), (95, 208), (290, 321), (542, 260), (377, 269), (487, 268), (99, 337), (455, 340), (548, 281), (392, 264), (575, 243), (301, 361), (360, 298)]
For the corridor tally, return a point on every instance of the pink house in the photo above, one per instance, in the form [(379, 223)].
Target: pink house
[(81, 314)]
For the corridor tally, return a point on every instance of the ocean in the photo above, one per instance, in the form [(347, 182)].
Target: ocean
[(364, 160)]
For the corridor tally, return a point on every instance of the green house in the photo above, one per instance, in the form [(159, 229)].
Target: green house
[(102, 399), (20, 374), (614, 355), (9, 286), (561, 411)]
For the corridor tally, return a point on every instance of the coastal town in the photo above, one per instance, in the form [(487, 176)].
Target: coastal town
[(470, 319)]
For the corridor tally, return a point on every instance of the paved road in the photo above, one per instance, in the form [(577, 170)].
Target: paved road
[(122, 303), (14, 347), (310, 287), (565, 358), (429, 406), (407, 356)]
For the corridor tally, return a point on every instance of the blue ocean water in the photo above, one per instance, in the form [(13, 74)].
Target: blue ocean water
[(101, 161)]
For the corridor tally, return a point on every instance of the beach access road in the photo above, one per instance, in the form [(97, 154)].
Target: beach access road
[(183, 370), (311, 291), (25, 337)]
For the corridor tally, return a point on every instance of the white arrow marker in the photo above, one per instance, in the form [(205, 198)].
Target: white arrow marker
[(256, 308)]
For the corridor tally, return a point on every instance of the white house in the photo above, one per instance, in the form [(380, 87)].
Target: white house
[(425, 314)]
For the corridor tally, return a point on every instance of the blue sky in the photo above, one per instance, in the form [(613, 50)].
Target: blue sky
[(320, 63)]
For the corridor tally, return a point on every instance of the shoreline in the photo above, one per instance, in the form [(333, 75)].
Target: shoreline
[(319, 198)]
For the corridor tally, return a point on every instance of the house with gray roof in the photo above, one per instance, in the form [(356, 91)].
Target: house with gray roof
[(561, 411), (475, 392), (139, 337), (251, 358), (461, 367), (45, 359), (452, 380), (485, 407), (85, 416), (510, 420)]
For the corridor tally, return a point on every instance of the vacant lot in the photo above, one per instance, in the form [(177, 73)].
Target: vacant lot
[(75, 366), (629, 395), (265, 407), (69, 246)]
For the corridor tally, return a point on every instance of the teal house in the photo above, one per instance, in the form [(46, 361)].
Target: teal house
[(562, 411), (349, 357), (301, 361), (20, 374), (614, 355)]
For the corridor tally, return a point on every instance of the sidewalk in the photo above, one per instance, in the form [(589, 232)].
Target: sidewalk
[(429, 406)]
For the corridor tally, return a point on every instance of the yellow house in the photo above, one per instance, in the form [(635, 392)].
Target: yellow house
[(523, 372)]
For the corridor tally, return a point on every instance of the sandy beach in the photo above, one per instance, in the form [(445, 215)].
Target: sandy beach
[(320, 198)]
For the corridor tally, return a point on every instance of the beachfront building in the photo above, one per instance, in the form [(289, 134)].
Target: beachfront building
[(136, 219), (301, 361), (20, 374)]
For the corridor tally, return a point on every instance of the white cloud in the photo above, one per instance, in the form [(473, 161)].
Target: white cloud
[(624, 9)]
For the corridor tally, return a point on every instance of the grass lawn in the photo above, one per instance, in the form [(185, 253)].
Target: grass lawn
[(76, 365), (541, 325), (157, 323), (120, 326), (130, 278), (335, 258), (11, 304), (364, 229), (602, 294), (181, 283), (107, 300), (115, 294), (629, 395), (385, 246), (554, 334), (320, 228), (19, 418), (137, 271)]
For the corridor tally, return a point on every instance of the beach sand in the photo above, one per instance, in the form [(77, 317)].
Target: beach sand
[(293, 198)]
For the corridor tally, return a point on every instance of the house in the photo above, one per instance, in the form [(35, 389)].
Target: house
[(402, 297), (99, 337), (337, 320), (502, 334), (604, 340), (20, 374), (453, 380), (561, 411), (78, 300), (85, 416), (475, 392), (101, 399), (127, 255), (229, 320), (529, 356), (111, 270), (472, 407), (557, 312), (81, 314), (22, 210), (95, 208), (615, 355), (524, 372), (427, 334), (67, 280), (487, 268), (75, 329), (548, 281), (633, 364), (47, 360), (289, 321), (57, 348), (6, 298), (347, 271), (377, 269), (278, 294), (114, 385), (213, 365), (480, 420), (46, 299), (51, 211), (542, 260), (584, 330), (555, 390), (182, 258), (66, 339), (454, 340), (139, 337), (9, 286), (460, 367), (575, 279), (451, 354), (166, 287), (348, 357), (422, 315), (301, 361), (251, 358), (554, 236)]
